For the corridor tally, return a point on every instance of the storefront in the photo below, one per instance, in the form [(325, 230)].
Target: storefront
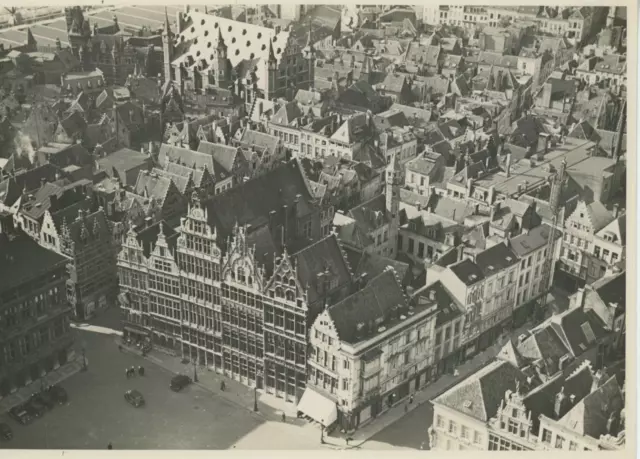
[(318, 407)]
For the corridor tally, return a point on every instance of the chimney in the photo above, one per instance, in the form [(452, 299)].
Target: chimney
[(53, 199), (616, 209), (147, 222), (560, 404), (579, 301), (508, 165), (460, 252), (492, 194), (598, 379), (432, 295)]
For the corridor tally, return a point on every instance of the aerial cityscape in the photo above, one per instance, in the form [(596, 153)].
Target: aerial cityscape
[(323, 227)]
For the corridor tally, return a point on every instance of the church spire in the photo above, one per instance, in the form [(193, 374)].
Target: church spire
[(167, 27)]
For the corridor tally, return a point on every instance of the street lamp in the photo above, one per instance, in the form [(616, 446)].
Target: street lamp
[(195, 372), (84, 359), (255, 392)]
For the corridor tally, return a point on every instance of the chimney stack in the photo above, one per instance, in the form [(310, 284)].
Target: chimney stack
[(508, 165), (560, 404), (616, 209)]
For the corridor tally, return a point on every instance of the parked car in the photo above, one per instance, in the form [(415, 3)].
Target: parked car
[(134, 398), (21, 415), (5, 432), (58, 394), (43, 399), (35, 408), (179, 382)]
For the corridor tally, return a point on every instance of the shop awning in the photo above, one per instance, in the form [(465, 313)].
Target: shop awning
[(318, 407)]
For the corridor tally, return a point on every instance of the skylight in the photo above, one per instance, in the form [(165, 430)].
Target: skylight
[(588, 332)]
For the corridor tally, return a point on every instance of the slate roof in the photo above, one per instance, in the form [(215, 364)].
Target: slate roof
[(22, 259), (467, 271), (184, 156), (252, 201), (534, 239), (374, 303), (544, 346), (495, 259), (260, 139), (152, 185), (316, 258), (569, 327), (123, 159), (224, 155), (91, 221), (612, 289), (599, 215), (148, 236), (373, 264), (479, 395), (589, 416), (370, 215)]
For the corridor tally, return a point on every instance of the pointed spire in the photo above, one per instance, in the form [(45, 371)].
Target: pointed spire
[(272, 55), (220, 39), (31, 41), (167, 28)]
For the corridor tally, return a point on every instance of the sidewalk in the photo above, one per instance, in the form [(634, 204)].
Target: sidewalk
[(56, 376), (428, 393), (269, 407)]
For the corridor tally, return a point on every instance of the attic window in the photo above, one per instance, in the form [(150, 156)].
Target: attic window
[(473, 277), (215, 26), (248, 43), (193, 29), (209, 45), (206, 33), (252, 56), (244, 31), (202, 22), (509, 258), (491, 267), (263, 47), (230, 29), (237, 52), (467, 404), (233, 40), (279, 51), (259, 35), (195, 41)]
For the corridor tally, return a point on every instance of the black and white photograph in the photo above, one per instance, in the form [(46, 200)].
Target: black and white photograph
[(396, 228)]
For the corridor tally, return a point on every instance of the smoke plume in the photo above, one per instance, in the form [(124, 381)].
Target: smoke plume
[(24, 146)]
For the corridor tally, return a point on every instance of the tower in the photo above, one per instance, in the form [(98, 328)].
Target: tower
[(272, 73), (393, 182), (220, 62), (309, 53), (167, 47), (367, 70)]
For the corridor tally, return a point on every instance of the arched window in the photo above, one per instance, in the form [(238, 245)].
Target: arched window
[(292, 282), (290, 296), (278, 278), (279, 292), (241, 276)]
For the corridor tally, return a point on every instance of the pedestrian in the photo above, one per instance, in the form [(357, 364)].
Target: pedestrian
[(411, 398), (284, 417), (141, 371), (222, 386), (109, 446), (120, 347), (133, 371), (406, 408)]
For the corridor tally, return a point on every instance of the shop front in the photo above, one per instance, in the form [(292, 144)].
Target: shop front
[(318, 407)]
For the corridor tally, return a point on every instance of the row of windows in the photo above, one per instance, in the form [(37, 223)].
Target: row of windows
[(465, 431)]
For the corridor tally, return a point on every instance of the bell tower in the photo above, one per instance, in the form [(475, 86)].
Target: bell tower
[(167, 47), (221, 62)]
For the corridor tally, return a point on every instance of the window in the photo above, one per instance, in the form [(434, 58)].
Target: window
[(546, 436), (453, 428), (559, 442), (464, 432), (345, 364), (439, 421), (476, 437), (513, 427), (573, 446)]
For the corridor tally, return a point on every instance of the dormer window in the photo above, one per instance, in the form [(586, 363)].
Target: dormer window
[(241, 276)]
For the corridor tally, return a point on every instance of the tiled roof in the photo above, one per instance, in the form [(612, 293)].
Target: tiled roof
[(360, 315), (124, 160), (570, 327), (260, 139), (152, 185), (222, 154), (612, 289), (479, 395)]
